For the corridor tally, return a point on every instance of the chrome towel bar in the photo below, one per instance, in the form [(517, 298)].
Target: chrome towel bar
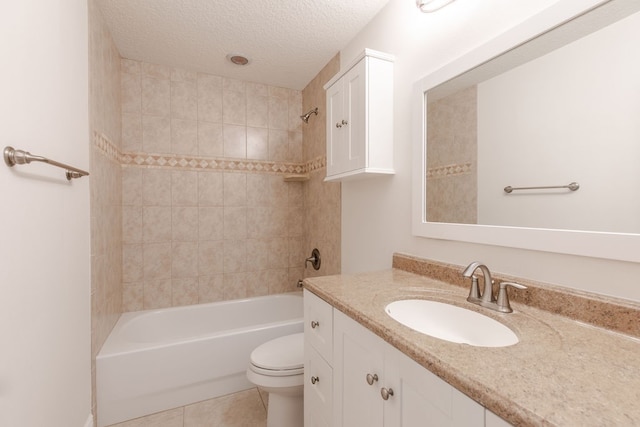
[(572, 186), (19, 157)]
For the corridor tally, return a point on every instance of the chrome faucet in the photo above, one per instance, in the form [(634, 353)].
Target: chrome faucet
[(486, 299)]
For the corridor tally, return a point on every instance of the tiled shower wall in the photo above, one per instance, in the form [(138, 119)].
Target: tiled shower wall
[(452, 169), (321, 199), (105, 184), (207, 215)]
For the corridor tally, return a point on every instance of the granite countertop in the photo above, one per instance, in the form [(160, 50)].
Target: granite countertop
[(562, 372)]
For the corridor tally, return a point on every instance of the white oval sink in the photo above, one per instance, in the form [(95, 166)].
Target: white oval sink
[(451, 323)]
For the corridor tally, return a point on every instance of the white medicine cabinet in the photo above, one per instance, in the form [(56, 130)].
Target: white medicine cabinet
[(360, 118)]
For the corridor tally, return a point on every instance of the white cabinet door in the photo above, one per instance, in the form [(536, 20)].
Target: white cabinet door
[(357, 354), (318, 389), (336, 149), (423, 399), (360, 118), (354, 125)]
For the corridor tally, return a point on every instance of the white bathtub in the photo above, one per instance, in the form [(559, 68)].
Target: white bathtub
[(160, 359)]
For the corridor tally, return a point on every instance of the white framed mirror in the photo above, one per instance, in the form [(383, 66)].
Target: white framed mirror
[(552, 101)]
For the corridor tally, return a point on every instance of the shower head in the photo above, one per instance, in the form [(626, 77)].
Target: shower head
[(305, 117)]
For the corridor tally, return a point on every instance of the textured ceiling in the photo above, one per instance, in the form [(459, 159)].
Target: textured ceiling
[(287, 41)]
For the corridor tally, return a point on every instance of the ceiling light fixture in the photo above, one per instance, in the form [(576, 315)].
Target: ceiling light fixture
[(428, 6), (237, 59)]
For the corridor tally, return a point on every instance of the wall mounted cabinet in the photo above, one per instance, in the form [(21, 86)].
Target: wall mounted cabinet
[(360, 118)]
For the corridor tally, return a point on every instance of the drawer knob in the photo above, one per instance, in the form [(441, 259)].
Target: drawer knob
[(314, 380), (338, 125), (386, 393), (314, 324), (372, 378)]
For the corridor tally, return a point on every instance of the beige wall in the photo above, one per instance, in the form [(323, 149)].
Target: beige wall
[(105, 184), (207, 215)]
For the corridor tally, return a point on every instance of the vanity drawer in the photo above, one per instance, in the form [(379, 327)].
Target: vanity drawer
[(318, 325)]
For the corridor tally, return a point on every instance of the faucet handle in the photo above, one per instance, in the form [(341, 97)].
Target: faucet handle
[(503, 296)]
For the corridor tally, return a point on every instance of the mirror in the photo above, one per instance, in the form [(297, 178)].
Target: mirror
[(553, 102)]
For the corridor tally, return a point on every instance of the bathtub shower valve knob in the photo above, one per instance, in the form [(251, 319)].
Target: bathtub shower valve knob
[(314, 259)]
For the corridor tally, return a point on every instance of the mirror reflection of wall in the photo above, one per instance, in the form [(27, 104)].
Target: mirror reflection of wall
[(452, 184), (570, 115)]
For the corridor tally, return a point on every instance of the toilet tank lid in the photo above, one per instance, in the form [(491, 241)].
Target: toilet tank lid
[(281, 353)]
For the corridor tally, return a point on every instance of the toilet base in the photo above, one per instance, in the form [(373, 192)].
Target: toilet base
[(285, 410)]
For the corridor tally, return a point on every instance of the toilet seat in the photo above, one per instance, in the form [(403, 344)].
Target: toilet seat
[(283, 356)]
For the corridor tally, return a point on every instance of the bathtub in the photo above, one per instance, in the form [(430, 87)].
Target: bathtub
[(160, 359)]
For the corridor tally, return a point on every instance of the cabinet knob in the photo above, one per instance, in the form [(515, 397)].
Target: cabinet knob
[(314, 380), (314, 324), (386, 392), (344, 122), (338, 125), (372, 378)]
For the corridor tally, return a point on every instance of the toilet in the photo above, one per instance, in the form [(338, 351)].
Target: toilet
[(277, 367)]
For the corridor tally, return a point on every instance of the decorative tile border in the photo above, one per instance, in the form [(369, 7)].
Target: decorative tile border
[(105, 145), (449, 170), (177, 161)]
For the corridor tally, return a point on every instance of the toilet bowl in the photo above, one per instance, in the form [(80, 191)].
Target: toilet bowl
[(277, 367)]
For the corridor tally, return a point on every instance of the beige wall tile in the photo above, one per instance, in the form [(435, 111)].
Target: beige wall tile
[(235, 256), (185, 291), (209, 98), (156, 187), (184, 259), (234, 105), (132, 132), (211, 258), (210, 139), (157, 293), (156, 134), (278, 113), (133, 296), (235, 189), (157, 262), (131, 93), (235, 141), (132, 268), (129, 66), (156, 222), (278, 145), (235, 222), (184, 100), (184, 188), (235, 285), (211, 223), (131, 224), (210, 288), (132, 186), (258, 143), (257, 106), (210, 189), (156, 97), (184, 137), (184, 224)]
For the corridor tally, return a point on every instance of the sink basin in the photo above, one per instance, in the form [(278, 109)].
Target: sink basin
[(451, 323)]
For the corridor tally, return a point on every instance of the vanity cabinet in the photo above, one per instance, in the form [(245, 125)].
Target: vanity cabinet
[(360, 118), (318, 355), (377, 385), (355, 378)]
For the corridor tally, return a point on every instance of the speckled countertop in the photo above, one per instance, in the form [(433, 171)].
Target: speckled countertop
[(561, 373)]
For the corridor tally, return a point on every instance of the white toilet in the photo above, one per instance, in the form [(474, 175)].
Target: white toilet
[(277, 368)]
